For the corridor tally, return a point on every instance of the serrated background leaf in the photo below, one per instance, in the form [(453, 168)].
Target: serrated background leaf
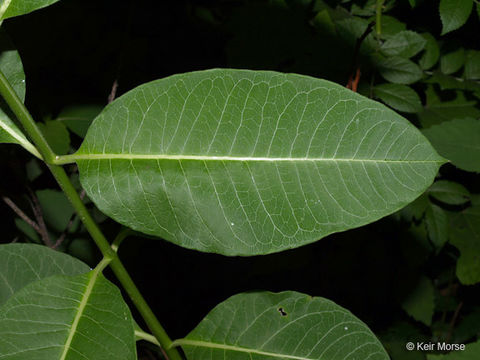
[(21, 264), (286, 325), (454, 13), (243, 162)]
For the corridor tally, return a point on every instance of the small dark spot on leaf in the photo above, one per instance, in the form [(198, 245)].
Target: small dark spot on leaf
[(282, 312)]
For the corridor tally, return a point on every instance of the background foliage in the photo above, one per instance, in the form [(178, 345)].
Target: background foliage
[(411, 276)]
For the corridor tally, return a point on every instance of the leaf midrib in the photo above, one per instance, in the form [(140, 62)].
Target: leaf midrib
[(75, 157), (81, 309), (206, 344)]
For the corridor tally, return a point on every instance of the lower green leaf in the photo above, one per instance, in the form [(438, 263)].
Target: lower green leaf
[(22, 264), (62, 317), (286, 325)]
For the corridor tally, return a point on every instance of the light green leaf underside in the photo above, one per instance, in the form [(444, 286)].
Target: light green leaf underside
[(67, 318), (242, 162), (21, 264), (12, 68), (286, 325), (470, 353), (11, 8)]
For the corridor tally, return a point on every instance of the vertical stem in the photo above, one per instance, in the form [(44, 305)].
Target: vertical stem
[(378, 21), (63, 180)]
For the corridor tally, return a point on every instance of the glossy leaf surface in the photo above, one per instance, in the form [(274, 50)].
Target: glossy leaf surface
[(21, 264), (286, 325), (71, 317), (243, 162), (11, 8)]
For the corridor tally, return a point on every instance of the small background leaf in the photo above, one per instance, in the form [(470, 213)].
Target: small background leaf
[(56, 208), (454, 13), (404, 44), (449, 192), (436, 221), (452, 62), (465, 235), (420, 303), (459, 141), (399, 97), (57, 136), (399, 70), (78, 118), (431, 54)]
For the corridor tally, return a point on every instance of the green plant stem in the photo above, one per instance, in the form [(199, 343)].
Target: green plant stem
[(63, 180), (378, 20)]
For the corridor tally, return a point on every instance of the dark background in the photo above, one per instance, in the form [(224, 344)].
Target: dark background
[(74, 50)]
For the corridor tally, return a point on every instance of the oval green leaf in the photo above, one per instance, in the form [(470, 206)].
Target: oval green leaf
[(67, 318), (11, 8), (21, 264), (286, 325), (241, 162)]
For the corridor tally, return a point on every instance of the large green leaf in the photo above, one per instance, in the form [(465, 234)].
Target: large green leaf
[(11, 8), (12, 68), (454, 13), (245, 162), (459, 141), (21, 264), (66, 318), (286, 325)]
